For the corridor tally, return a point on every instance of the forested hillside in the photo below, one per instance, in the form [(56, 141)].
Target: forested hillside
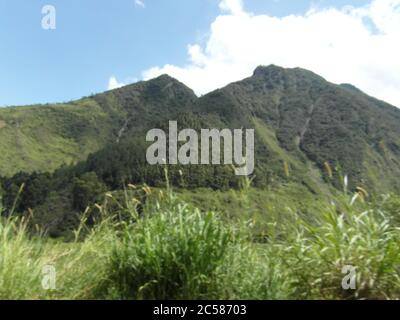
[(309, 134)]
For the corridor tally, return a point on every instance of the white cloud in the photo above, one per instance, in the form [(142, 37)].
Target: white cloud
[(114, 84), (232, 6), (140, 3), (358, 45)]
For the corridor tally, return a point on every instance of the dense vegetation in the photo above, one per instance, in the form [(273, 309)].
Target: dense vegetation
[(77, 193), (300, 118), (305, 128), (169, 249)]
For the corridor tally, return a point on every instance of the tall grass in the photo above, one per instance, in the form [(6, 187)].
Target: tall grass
[(21, 259), (160, 247), (343, 234), (171, 252)]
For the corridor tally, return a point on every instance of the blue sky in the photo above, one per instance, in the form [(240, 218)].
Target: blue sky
[(97, 39)]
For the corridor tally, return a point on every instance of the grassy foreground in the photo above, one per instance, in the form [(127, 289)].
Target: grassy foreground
[(169, 249)]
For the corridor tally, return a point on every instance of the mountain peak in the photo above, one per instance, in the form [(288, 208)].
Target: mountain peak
[(170, 86), (350, 87), (274, 71), (264, 70), (162, 85), (164, 76)]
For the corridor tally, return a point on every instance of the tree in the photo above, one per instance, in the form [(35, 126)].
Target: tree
[(86, 190)]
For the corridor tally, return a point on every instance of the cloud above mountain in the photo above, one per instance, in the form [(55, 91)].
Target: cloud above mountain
[(358, 45), (114, 84)]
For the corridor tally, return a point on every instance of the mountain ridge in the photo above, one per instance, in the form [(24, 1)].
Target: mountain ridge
[(302, 118)]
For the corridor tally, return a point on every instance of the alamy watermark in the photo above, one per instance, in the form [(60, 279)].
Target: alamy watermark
[(349, 281), (49, 21), (194, 152), (49, 277)]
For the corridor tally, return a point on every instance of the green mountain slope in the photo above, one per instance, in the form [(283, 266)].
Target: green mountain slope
[(316, 121), (302, 123), (43, 137)]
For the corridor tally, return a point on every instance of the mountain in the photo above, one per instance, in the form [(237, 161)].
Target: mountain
[(43, 137), (305, 128), (306, 119)]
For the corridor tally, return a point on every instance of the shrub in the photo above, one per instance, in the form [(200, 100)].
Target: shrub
[(345, 234), (21, 261), (172, 252)]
